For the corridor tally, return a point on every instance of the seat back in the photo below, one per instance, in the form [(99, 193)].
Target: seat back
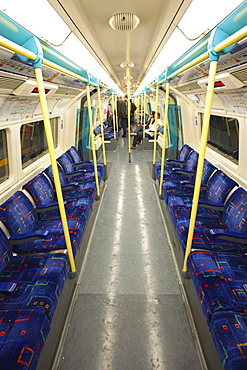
[(40, 189), (208, 169), (18, 214), (74, 154), (61, 173), (191, 161), (5, 251), (183, 153), (66, 163), (235, 211), (218, 187)]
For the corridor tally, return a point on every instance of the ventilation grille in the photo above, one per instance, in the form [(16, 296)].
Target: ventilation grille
[(241, 75), (9, 83), (124, 21), (67, 91), (188, 87)]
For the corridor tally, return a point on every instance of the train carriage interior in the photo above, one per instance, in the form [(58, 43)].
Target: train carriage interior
[(123, 198)]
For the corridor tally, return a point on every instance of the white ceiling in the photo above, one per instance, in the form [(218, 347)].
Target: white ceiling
[(89, 21)]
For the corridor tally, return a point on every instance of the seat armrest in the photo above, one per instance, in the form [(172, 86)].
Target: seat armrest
[(183, 172), (28, 237), (73, 174), (7, 287), (175, 161), (228, 235), (187, 183), (48, 207), (71, 186), (211, 205)]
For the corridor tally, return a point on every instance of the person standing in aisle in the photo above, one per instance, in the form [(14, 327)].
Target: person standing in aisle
[(121, 111)]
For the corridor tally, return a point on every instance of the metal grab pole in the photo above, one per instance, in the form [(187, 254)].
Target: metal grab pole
[(113, 115), (204, 138), (43, 102), (156, 122), (101, 126), (92, 140), (145, 109), (164, 137), (128, 110)]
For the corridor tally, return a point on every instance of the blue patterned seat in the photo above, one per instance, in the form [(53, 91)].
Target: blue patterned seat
[(23, 334), (228, 233), (85, 165), (37, 279), (186, 173), (171, 188), (20, 217), (219, 280), (229, 331), (216, 192), (174, 163), (80, 175), (70, 188), (43, 193)]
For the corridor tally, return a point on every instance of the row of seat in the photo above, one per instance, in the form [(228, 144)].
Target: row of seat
[(108, 131), (34, 263), (218, 259)]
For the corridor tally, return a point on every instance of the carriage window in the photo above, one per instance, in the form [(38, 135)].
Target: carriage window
[(224, 136), (33, 140), (4, 164)]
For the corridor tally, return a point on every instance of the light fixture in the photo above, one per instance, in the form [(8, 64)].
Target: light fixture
[(124, 21), (127, 65)]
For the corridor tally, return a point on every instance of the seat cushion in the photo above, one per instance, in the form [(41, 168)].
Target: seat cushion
[(219, 279), (40, 279), (22, 336)]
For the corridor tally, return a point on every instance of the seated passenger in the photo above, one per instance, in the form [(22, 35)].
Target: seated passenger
[(149, 132)]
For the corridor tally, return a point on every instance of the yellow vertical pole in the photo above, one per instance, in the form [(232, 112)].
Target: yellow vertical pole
[(164, 137), (43, 103), (117, 122), (92, 139), (128, 107), (156, 123), (204, 138), (145, 109), (143, 131), (141, 109), (113, 115), (101, 126)]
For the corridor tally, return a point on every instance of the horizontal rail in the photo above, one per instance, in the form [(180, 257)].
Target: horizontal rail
[(17, 48), (237, 36), (30, 55), (48, 63)]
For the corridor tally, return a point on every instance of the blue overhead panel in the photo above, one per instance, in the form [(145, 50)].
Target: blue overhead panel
[(230, 25), (20, 36)]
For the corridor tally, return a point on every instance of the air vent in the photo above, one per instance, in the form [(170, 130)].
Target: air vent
[(124, 21), (189, 87), (67, 91), (9, 83), (241, 75)]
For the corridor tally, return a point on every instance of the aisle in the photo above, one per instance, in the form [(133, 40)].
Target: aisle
[(129, 313)]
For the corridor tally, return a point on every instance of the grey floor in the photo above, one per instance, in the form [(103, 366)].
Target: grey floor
[(129, 312)]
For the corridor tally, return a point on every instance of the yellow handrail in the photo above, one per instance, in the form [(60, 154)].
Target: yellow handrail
[(43, 103), (17, 48), (156, 122), (113, 115), (101, 126), (164, 137), (204, 138), (92, 139), (237, 36)]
